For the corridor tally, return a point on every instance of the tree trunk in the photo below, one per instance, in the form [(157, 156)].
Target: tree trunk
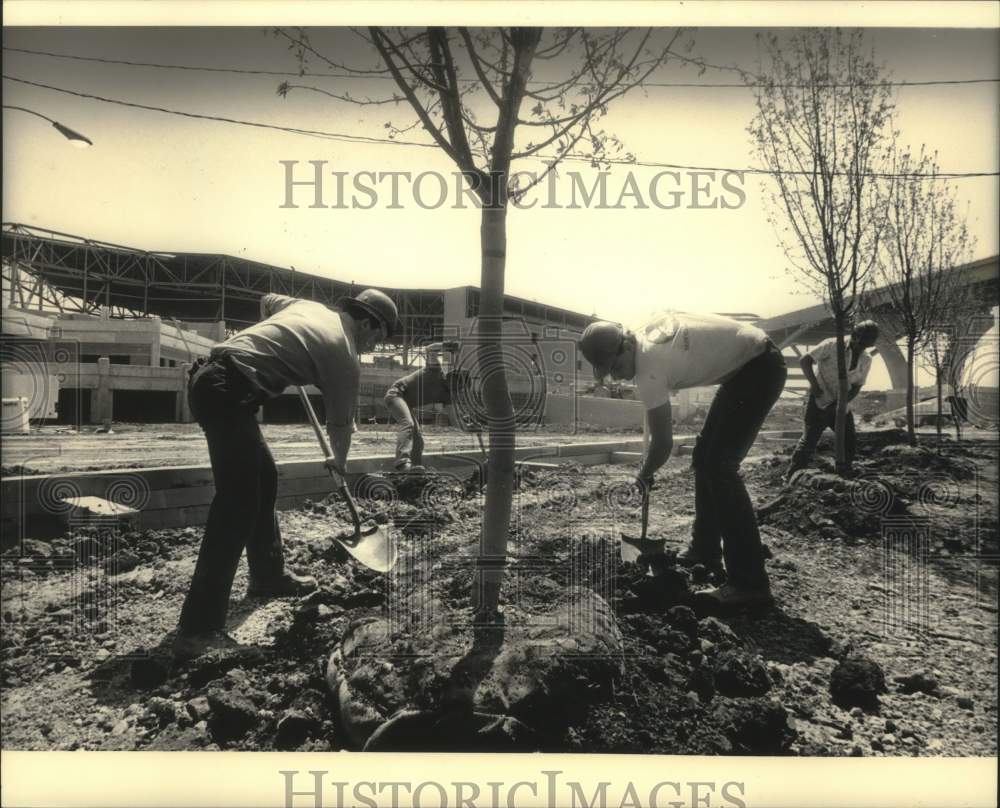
[(500, 415), (843, 464), (911, 434), (940, 407)]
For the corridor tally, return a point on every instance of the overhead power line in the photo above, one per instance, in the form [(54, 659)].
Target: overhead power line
[(348, 75), (542, 157), (291, 129)]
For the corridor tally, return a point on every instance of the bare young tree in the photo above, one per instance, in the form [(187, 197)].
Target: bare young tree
[(488, 98), (925, 238), (822, 107), (943, 351)]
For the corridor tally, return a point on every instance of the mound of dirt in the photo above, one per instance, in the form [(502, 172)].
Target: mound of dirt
[(83, 663)]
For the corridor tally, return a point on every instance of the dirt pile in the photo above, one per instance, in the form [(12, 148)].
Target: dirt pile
[(894, 484), (84, 662)]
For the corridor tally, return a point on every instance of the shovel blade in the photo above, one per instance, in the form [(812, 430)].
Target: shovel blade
[(632, 549), (374, 548)]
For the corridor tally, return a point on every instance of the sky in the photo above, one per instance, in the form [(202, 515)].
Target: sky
[(162, 182)]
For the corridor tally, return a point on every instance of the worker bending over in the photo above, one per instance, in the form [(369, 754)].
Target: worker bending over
[(423, 387), (297, 342), (820, 369), (677, 350)]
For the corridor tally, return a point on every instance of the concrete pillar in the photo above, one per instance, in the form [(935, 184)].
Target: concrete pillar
[(102, 402), (183, 410), (966, 346), (895, 362), (154, 348)]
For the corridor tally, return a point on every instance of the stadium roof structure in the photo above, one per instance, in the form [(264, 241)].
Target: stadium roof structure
[(52, 270)]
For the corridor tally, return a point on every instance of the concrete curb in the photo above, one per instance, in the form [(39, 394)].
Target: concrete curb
[(178, 496)]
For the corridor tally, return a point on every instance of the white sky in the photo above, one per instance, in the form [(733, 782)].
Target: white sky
[(162, 182)]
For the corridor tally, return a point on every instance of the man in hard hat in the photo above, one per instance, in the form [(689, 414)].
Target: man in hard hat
[(297, 342), (677, 350), (819, 366), (423, 387)]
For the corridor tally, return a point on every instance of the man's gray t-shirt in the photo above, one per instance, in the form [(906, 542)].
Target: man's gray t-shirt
[(300, 342), (676, 350)]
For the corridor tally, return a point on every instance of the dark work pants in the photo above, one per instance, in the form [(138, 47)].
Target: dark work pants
[(724, 514), (409, 438), (815, 422), (246, 485)]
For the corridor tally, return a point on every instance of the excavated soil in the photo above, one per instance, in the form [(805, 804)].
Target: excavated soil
[(883, 640)]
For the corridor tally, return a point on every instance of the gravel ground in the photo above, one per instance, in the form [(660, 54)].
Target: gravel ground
[(880, 643), (53, 449)]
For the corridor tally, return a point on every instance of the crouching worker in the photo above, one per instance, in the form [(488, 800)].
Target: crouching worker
[(423, 387), (819, 366), (297, 342), (675, 351)]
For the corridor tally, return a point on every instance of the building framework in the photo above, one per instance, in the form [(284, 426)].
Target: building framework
[(120, 306), (46, 270)]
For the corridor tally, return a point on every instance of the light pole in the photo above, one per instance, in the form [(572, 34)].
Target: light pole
[(78, 140)]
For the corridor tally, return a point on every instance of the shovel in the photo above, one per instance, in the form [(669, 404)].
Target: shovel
[(634, 549), (369, 543)]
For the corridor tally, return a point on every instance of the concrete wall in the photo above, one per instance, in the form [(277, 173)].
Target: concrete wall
[(144, 341), (180, 495), (22, 323), (554, 348), (609, 412), (41, 392), (215, 331)]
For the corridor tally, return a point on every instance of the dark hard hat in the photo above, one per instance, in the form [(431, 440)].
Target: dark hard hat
[(866, 328), (600, 344), (375, 304)]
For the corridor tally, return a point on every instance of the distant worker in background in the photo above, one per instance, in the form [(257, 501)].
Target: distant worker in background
[(424, 387), (677, 350), (297, 342), (820, 369)]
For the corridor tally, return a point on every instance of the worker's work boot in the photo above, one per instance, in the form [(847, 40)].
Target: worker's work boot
[(189, 646), (731, 596), (288, 584)]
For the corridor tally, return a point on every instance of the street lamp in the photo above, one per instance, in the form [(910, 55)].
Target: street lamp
[(78, 140)]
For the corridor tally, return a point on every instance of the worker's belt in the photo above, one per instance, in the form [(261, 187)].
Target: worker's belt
[(197, 365), (250, 396)]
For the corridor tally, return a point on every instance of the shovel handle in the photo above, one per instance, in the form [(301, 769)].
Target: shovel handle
[(645, 511), (320, 434), (328, 453)]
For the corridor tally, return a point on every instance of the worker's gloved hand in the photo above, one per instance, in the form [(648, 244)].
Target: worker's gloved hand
[(450, 345)]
